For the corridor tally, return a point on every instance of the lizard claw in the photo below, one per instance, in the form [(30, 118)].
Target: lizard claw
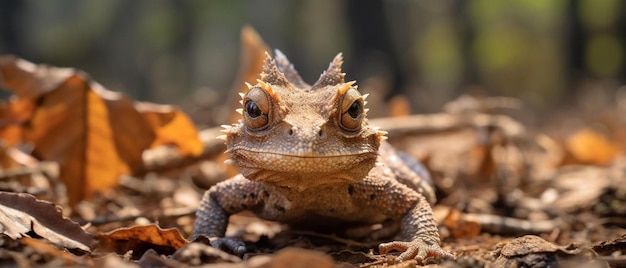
[(230, 245), (416, 249)]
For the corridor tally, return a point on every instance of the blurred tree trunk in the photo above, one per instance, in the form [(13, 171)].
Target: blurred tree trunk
[(10, 11)]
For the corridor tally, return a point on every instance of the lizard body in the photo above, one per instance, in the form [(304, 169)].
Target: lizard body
[(308, 157)]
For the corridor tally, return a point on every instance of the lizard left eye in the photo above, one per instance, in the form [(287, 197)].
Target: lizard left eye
[(256, 109), (351, 110)]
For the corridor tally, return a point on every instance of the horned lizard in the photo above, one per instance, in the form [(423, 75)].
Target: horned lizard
[(308, 157)]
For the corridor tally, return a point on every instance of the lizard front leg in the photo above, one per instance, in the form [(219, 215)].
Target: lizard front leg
[(221, 201), (420, 235)]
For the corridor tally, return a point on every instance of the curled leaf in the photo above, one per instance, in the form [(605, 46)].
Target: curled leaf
[(22, 213)]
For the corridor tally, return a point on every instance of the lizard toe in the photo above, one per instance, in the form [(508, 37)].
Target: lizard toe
[(417, 250), (234, 246)]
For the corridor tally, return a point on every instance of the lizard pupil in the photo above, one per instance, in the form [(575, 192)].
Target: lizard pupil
[(355, 109), (253, 110)]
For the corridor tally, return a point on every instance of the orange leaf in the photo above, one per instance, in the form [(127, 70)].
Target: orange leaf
[(29, 81), (172, 127), (13, 114), (590, 147), (141, 238), (94, 134), (460, 227)]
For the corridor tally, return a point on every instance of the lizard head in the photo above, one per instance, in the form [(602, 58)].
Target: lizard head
[(299, 136)]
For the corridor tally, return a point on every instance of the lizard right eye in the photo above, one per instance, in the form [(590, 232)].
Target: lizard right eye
[(351, 116), (256, 109)]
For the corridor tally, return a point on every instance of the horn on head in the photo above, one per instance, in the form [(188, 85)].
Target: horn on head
[(288, 70), (333, 75), (271, 74)]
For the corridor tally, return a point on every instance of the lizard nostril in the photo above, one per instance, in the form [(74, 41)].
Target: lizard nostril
[(320, 133), (290, 132)]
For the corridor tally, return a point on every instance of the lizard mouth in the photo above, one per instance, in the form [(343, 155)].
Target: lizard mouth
[(298, 169), (304, 154)]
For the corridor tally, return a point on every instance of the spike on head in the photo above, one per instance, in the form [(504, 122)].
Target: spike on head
[(333, 75), (271, 74), (265, 86), (345, 87), (382, 135), (288, 70)]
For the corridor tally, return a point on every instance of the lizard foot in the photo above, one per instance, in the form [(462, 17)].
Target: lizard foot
[(234, 246), (416, 249)]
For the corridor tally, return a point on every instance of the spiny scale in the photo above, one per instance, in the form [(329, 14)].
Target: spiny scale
[(346, 87), (226, 129), (266, 86)]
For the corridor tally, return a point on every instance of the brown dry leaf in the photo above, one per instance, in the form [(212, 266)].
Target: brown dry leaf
[(614, 247), (95, 134), (141, 238), (460, 227), (19, 213), (579, 187), (528, 250), (29, 81), (587, 146), (153, 259), (13, 114), (172, 127)]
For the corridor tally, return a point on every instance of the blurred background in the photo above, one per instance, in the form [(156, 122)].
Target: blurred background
[(565, 54)]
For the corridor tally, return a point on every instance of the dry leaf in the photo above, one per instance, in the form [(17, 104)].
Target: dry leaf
[(141, 238), (528, 250), (460, 227), (587, 146), (95, 134), (21, 213), (13, 114), (173, 127), (29, 81)]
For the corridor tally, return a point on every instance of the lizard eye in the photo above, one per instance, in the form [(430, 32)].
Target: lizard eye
[(256, 109), (351, 110)]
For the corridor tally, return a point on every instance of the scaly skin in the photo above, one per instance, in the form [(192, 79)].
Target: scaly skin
[(308, 158)]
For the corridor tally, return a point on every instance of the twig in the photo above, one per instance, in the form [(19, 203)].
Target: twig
[(167, 213), (50, 169)]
